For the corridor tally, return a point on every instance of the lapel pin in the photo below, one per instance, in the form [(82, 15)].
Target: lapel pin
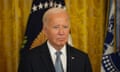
[(73, 57)]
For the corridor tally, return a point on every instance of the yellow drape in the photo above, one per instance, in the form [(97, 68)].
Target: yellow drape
[(87, 27), (13, 18)]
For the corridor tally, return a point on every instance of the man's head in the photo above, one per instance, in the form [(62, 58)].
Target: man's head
[(56, 26)]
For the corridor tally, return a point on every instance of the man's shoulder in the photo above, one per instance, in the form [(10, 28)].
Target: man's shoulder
[(77, 52), (38, 49)]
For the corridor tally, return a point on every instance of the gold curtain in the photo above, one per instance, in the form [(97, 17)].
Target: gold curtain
[(87, 22), (87, 27), (13, 20)]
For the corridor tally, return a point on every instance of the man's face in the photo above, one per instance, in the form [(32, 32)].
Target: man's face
[(57, 29)]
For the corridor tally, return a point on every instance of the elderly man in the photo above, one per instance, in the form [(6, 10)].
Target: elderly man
[(55, 55)]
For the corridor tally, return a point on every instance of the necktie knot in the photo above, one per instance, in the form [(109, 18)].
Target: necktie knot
[(58, 53)]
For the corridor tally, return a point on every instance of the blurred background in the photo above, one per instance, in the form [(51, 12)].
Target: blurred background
[(88, 29)]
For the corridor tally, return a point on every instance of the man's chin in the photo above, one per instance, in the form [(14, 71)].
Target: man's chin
[(61, 44)]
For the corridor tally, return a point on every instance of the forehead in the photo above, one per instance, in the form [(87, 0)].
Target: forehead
[(58, 19), (58, 15)]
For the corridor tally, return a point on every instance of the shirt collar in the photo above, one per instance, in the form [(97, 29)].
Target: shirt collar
[(53, 50)]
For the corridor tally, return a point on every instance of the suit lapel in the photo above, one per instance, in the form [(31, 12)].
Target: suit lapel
[(47, 58), (48, 61), (68, 59)]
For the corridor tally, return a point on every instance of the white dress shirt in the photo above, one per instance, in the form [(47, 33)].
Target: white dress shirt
[(62, 56)]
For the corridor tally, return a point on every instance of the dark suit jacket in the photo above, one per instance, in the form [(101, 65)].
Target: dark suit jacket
[(39, 60)]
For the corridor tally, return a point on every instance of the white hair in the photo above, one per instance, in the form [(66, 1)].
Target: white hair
[(52, 11)]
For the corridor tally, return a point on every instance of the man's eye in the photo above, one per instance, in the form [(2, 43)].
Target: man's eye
[(65, 26), (55, 27)]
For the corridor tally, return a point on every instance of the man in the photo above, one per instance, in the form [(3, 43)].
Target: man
[(56, 26)]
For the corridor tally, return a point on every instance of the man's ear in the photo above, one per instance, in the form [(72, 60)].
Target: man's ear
[(44, 30)]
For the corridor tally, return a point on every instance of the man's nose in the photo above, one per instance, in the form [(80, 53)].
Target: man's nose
[(61, 31)]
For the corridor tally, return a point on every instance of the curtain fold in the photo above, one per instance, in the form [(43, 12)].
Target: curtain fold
[(13, 19), (87, 29)]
